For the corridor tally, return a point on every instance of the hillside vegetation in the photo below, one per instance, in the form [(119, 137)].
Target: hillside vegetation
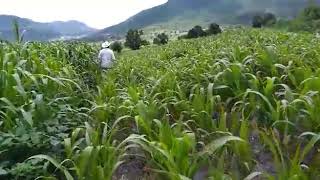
[(242, 104), (308, 20), (184, 14)]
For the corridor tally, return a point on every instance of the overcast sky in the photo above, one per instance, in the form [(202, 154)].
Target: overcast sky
[(95, 13)]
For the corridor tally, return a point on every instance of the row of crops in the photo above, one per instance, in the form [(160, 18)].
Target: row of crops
[(243, 104)]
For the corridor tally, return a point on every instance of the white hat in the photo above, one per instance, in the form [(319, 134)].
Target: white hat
[(105, 44)]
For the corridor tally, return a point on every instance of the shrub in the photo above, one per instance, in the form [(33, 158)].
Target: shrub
[(214, 29), (145, 43), (117, 46), (196, 32), (161, 39)]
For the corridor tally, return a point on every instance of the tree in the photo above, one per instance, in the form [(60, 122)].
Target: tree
[(161, 39), (311, 13), (257, 21), (264, 19), (214, 29), (308, 20), (192, 34), (196, 32), (133, 39), (269, 19), (117, 46)]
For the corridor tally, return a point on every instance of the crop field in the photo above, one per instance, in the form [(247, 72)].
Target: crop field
[(244, 104)]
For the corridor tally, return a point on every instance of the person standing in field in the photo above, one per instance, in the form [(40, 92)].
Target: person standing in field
[(106, 56)]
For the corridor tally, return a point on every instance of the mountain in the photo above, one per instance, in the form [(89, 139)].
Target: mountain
[(36, 31), (184, 14), (70, 27)]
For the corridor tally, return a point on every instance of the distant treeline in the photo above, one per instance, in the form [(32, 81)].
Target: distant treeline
[(134, 40), (308, 20)]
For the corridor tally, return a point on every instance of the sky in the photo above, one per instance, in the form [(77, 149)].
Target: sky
[(95, 13)]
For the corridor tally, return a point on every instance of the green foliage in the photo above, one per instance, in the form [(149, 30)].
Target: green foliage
[(196, 32), (257, 21), (161, 39), (145, 42), (15, 148), (214, 29), (264, 19), (133, 39), (18, 34), (308, 20), (181, 15), (116, 46), (269, 19), (40, 99), (241, 105), (251, 76), (312, 12), (91, 153)]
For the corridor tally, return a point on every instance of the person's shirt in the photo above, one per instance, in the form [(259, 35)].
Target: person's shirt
[(106, 57)]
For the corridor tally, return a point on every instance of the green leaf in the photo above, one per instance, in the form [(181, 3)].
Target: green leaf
[(55, 163), (27, 116), (310, 145), (219, 143), (10, 105), (84, 160), (253, 175), (3, 172), (19, 86), (266, 100)]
